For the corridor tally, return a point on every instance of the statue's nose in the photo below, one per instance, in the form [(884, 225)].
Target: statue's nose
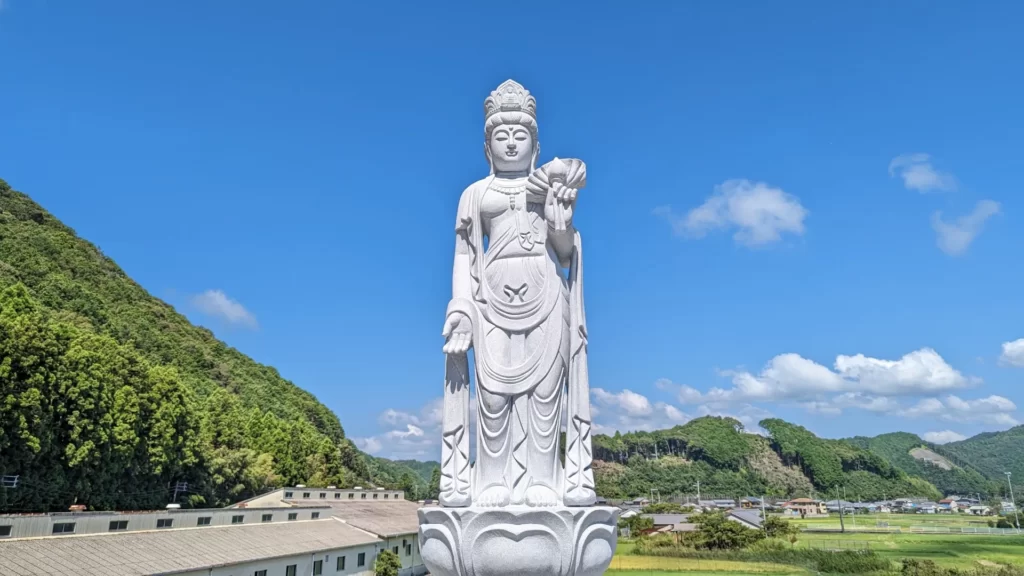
[(511, 145)]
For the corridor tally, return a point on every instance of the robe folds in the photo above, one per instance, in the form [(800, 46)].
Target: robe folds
[(489, 309)]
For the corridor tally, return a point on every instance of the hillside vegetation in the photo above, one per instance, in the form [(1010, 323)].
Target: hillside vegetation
[(108, 397), (726, 461), (952, 475), (993, 453)]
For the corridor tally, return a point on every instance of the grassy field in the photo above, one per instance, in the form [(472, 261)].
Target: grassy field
[(950, 550), (954, 550), (872, 521), (647, 564)]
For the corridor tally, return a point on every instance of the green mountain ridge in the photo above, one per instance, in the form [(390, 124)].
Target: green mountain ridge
[(791, 461), (109, 397), (993, 453), (961, 477)]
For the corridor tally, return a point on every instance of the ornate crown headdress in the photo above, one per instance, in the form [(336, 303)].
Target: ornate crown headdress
[(510, 97)]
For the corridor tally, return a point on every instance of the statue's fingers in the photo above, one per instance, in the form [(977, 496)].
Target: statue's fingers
[(449, 325), (464, 342)]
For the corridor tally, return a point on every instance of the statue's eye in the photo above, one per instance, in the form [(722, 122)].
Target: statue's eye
[(520, 137)]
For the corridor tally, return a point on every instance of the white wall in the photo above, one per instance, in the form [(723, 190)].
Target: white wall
[(99, 522), (412, 564), (303, 563)]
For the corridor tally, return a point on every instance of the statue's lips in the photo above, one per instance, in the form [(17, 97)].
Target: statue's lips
[(512, 153)]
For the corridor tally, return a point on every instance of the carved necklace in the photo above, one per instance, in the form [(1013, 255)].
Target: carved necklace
[(511, 191)]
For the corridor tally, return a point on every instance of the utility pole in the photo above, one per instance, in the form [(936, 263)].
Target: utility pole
[(842, 525), (763, 516), (179, 487), (698, 492), (1012, 501), (854, 510)]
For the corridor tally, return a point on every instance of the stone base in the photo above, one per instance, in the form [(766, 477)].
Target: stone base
[(517, 540)]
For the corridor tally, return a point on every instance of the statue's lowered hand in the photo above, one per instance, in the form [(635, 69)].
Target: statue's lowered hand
[(458, 333)]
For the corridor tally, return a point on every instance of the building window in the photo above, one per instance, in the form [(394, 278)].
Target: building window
[(361, 559), (351, 495), (117, 525), (395, 550), (293, 515), (267, 518), (318, 568), (203, 521), (164, 522), (408, 549), (323, 495), (363, 496), (385, 496), (5, 531), (260, 573), (289, 494), (237, 519), (314, 515), (374, 496), (341, 563), (305, 494), (337, 495), (64, 528), (290, 570)]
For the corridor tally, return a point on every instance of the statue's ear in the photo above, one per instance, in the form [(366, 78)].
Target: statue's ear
[(536, 154), (487, 153)]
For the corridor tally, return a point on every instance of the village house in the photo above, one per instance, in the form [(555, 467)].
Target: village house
[(805, 507)]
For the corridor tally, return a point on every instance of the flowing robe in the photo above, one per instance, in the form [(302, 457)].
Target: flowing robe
[(529, 339)]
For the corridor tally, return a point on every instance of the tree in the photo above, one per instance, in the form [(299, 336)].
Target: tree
[(434, 489), (779, 527), (637, 524), (387, 564), (663, 508), (716, 532)]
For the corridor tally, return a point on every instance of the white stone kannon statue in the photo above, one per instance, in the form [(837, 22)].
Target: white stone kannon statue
[(517, 300)]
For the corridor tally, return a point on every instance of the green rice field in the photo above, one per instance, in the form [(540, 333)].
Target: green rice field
[(962, 551)]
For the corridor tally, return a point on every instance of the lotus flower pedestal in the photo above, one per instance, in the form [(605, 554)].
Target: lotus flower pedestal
[(517, 540)]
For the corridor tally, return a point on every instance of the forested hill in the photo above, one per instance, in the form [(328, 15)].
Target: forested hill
[(993, 453), (949, 472), (790, 461), (110, 397)]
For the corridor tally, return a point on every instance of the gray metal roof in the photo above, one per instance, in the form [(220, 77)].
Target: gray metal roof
[(666, 519), (383, 518), (174, 550), (747, 516)]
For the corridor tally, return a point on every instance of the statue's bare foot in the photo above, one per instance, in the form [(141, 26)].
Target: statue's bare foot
[(580, 497), (538, 495), (493, 497)]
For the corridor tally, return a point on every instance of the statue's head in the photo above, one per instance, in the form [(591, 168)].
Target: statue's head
[(510, 129)]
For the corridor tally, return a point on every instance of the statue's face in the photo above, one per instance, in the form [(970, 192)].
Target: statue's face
[(511, 148)]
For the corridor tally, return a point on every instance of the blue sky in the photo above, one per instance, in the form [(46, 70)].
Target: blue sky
[(804, 209)]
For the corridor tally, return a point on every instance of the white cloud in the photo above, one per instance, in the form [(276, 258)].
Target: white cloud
[(943, 437), (630, 402), (793, 377), (759, 213), (955, 237), (627, 410), (1013, 353), (992, 410), (216, 303), (919, 174), (369, 445)]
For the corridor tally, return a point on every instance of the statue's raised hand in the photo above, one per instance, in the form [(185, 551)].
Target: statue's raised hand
[(458, 333)]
